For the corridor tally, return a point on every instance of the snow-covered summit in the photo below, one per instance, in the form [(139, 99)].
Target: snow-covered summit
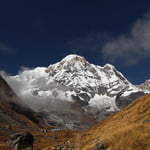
[(71, 63), (75, 71), (74, 79), (72, 57)]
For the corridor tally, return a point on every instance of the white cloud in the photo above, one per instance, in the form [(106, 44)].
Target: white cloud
[(133, 48), (23, 68)]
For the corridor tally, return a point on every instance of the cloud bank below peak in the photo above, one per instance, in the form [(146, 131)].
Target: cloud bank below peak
[(132, 48)]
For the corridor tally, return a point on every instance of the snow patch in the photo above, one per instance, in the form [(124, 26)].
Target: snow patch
[(102, 101)]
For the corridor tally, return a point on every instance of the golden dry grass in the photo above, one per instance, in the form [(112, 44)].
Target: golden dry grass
[(44, 141), (136, 138), (124, 130)]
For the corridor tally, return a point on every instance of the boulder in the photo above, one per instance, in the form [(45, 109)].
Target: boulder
[(65, 146), (100, 146), (21, 140)]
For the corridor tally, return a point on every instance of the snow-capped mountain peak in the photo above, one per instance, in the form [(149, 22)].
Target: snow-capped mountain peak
[(73, 57), (69, 63), (74, 86), (74, 70), (75, 79)]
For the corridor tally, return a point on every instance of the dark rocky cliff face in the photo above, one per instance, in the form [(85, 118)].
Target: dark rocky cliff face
[(13, 111), (5, 89), (122, 102)]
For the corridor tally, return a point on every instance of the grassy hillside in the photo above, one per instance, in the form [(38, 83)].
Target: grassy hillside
[(128, 129)]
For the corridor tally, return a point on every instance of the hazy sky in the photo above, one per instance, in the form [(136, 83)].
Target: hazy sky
[(42, 32)]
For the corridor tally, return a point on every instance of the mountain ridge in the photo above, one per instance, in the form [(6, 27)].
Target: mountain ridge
[(145, 86), (99, 91)]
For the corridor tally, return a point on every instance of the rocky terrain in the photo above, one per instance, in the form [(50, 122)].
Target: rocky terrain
[(145, 86)]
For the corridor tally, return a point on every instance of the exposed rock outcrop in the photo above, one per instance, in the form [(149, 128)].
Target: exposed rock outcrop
[(21, 140), (100, 146), (13, 111)]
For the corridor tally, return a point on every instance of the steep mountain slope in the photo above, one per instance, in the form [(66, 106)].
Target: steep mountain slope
[(127, 129), (60, 88), (14, 113)]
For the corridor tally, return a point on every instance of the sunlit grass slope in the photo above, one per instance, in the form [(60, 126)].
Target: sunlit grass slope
[(128, 129)]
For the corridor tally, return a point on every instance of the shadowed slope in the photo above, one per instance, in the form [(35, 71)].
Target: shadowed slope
[(13, 112)]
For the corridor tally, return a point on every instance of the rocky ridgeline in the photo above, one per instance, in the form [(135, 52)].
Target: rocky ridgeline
[(145, 86)]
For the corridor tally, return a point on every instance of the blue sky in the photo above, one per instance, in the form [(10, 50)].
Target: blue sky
[(38, 33)]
